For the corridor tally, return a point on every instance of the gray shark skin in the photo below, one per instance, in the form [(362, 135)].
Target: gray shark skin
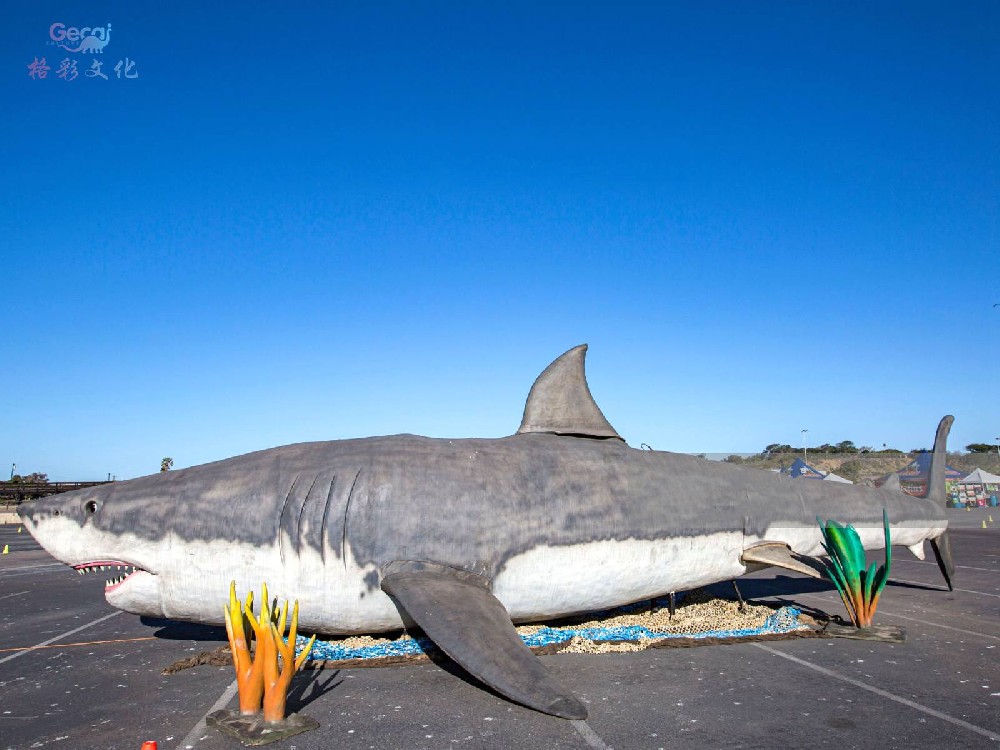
[(463, 536)]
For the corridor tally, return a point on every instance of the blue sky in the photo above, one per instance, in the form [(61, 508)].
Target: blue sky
[(307, 223)]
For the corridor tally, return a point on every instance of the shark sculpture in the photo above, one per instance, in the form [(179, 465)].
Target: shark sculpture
[(464, 537)]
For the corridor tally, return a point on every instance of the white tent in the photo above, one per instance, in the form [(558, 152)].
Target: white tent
[(831, 477), (980, 477)]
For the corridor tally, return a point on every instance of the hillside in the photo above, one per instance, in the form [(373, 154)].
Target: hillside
[(866, 467)]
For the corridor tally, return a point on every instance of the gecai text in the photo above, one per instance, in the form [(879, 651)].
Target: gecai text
[(59, 32)]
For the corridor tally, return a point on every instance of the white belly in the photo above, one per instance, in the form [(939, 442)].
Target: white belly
[(552, 581)]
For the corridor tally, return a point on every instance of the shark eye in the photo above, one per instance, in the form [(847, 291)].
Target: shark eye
[(91, 506)]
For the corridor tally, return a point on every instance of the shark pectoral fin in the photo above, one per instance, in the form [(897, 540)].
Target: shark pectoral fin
[(780, 555), (457, 611)]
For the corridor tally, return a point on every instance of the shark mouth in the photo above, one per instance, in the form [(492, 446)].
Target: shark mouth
[(117, 566)]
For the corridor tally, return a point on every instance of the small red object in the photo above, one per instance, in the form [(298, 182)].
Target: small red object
[(149, 745)]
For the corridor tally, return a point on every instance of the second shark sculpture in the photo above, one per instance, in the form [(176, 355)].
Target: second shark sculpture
[(465, 537)]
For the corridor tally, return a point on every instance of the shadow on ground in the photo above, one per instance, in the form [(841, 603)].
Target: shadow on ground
[(175, 630)]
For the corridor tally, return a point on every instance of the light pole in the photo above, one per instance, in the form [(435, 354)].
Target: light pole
[(998, 447), (12, 468), (805, 451)]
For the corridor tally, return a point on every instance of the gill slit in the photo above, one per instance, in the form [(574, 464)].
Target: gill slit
[(347, 508), (322, 525), (302, 512), (281, 515)]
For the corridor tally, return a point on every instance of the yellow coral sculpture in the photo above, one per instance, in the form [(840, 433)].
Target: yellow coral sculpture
[(277, 682), (249, 672), (259, 679)]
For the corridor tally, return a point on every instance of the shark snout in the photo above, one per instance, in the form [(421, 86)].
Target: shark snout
[(25, 512), (34, 512)]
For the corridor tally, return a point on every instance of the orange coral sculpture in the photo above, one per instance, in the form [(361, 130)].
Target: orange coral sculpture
[(259, 678)]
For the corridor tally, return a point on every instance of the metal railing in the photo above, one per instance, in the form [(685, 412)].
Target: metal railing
[(14, 493)]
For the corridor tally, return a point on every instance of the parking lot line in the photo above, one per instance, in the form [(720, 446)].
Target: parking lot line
[(926, 562), (887, 613), (884, 693), (939, 625), (589, 735), (58, 637), (938, 588), (82, 643), (24, 570), (196, 731)]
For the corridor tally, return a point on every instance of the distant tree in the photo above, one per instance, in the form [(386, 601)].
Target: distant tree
[(846, 446), (166, 464), (733, 459), (866, 449), (780, 448), (980, 448)]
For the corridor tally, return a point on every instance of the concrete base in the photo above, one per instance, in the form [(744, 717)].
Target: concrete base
[(253, 731), (886, 633)]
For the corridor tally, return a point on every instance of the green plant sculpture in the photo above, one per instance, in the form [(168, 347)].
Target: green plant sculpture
[(859, 587)]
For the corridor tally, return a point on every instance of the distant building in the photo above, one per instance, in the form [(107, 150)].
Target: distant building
[(978, 488), (801, 470), (913, 476)]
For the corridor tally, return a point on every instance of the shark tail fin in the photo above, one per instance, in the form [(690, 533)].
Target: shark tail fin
[(936, 493), (935, 477)]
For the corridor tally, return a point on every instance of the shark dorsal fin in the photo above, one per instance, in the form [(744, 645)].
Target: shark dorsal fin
[(560, 401), (892, 483)]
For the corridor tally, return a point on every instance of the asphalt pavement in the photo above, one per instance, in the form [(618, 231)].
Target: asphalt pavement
[(76, 673)]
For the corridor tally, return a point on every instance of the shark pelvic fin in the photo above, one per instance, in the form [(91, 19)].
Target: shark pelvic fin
[(560, 401), (780, 555), (457, 611), (917, 548)]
